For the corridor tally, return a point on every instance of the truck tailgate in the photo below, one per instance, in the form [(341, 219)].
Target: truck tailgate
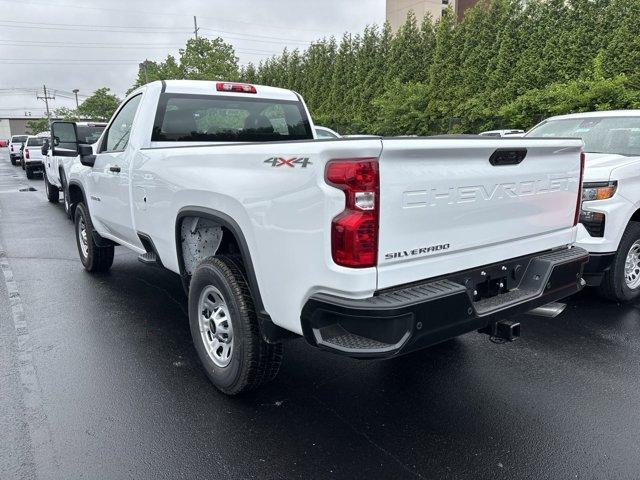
[(445, 207)]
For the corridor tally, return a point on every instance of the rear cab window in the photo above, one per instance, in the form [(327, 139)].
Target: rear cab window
[(35, 142), (216, 118), (18, 138)]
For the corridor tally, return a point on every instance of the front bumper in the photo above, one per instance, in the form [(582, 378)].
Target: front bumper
[(416, 316)]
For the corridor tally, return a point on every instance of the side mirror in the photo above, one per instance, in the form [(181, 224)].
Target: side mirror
[(65, 139), (87, 158)]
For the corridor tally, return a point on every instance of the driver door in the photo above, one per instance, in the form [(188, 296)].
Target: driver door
[(111, 176)]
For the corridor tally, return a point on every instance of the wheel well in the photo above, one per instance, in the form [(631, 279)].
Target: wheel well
[(636, 216), (75, 194), (202, 237)]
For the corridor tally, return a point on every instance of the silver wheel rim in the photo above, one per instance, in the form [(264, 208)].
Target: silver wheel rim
[(82, 238), (632, 266), (215, 325)]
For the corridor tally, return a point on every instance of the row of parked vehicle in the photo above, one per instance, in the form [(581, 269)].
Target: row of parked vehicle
[(365, 246)]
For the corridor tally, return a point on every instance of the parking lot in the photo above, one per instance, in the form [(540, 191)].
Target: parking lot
[(99, 379)]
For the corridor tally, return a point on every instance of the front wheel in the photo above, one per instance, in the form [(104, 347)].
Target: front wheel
[(94, 257), (225, 330), (621, 283), (51, 191), (68, 209)]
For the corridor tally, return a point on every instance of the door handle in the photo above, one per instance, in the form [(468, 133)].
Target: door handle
[(114, 169)]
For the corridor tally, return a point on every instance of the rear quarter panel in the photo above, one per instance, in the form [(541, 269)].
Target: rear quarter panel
[(283, 211)]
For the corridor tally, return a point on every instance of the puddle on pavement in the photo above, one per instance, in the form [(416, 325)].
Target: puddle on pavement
[(27, 189)]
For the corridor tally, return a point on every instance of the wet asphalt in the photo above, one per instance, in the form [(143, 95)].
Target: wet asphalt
[(99, 380)]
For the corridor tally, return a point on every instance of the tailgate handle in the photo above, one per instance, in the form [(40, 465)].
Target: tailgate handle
[(507, 156)]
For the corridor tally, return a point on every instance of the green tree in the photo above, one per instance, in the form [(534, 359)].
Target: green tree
[(38, 126), (209, 59), (65, 113), (99, 106)]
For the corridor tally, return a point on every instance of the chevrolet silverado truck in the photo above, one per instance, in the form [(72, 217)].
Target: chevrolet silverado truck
[(609, 226), (56, 168), (366, 247), (16, 145)]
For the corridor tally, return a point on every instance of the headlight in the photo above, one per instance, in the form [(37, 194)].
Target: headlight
[(598, 190)]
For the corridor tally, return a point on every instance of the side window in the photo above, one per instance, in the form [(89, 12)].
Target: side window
[(117, 137)]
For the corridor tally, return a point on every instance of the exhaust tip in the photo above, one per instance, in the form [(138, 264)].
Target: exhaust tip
[(551, 310)]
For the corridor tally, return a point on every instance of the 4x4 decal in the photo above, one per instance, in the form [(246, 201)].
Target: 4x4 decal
[(289, 162)]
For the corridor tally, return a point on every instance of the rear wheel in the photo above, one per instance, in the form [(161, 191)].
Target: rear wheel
[(22, 163), (225, 330), (13, 161), (94, 257), (29, 172), (51, 191), (621, 283)]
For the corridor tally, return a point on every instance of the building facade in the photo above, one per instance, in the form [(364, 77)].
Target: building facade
[(397, 10)]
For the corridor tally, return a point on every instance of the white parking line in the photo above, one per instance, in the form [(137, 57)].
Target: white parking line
[(41, 444)]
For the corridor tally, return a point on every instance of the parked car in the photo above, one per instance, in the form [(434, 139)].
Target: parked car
[(324, 133), (32, 159), (610, 217), (4, 143), (15, 148), (56, 168), (502, 133), (367, 247)]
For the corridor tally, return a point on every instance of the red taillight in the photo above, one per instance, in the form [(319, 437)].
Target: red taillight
[(354, 232), (26, 154), (235, 87), (579, 201)]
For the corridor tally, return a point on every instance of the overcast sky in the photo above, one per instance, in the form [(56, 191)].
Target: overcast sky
[(85, 45)]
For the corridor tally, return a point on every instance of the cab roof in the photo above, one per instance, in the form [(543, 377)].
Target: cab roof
[(605, 113), (201, 87)]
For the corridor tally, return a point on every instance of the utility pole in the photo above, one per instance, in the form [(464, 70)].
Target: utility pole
[(75, 91), (46, 99), (195, 26)]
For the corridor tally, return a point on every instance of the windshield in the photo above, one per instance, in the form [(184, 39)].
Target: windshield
[(619, 135), (208, 118), (18, 139), (89, 133), (35, 142)]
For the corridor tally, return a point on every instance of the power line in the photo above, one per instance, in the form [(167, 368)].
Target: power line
[(126, 29), (133, 46), (146, 13)]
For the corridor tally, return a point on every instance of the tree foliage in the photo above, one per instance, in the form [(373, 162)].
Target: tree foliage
[(37, 126), (99, 106), (506, 65)]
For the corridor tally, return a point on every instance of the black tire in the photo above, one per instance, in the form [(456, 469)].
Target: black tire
[(68, 206), (51, 191), (13, 161), (253, 361), (614, 286), (96, 259), (29, 173), (22, 163)]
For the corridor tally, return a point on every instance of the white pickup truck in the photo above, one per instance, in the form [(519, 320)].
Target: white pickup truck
[(366, 247), (56, 168), (610, 220)]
